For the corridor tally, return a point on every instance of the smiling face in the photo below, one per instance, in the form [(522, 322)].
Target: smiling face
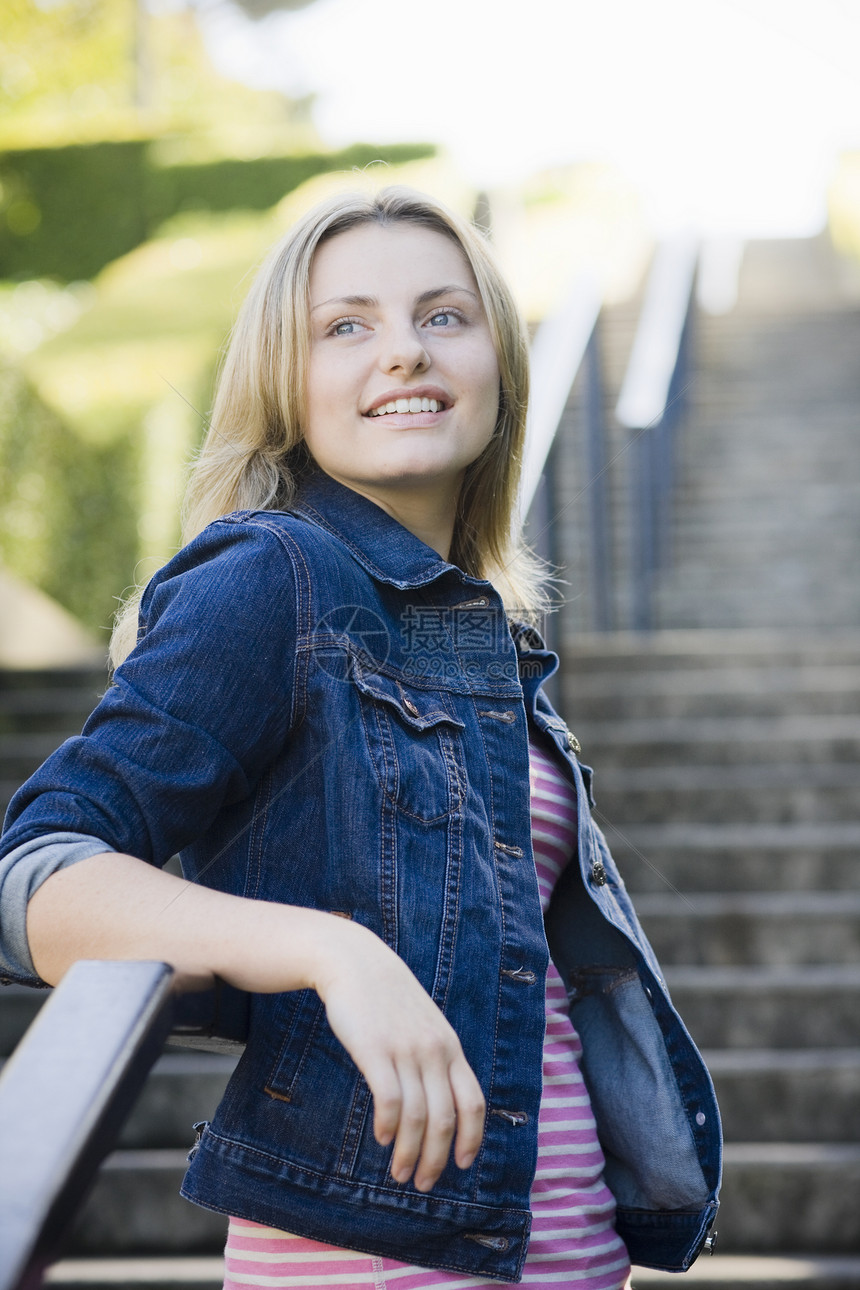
[(403, 380)]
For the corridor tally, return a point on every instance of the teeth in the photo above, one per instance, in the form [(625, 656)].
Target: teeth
[(407, 405)]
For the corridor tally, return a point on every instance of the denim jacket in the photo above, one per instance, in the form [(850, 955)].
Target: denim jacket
[(320, 710)]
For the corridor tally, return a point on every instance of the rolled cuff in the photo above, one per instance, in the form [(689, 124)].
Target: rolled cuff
[(22, 873)]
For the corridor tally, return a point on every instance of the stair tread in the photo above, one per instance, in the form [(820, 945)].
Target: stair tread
[(742, 1270), (750, 904), (138, 1270), (752, 979), (752, 1060), (732, 1269), (753, 836)]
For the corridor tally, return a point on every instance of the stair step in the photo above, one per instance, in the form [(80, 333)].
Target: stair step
[(717, 740), (720, 1272), (18, 1007), (201, 1273), (20, 681), (735, 857), (745, 693), (135, 1208), (29, 712), (182, 1088), (21, 754), (768, 928), (757, 793), (778, 1007), (796, 1095), (790, 1196), (748, 1272), (715, 649), (746, 581), (807, 607)]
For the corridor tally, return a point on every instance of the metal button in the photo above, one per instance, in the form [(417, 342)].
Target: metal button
[(410, 707), (700, 1118), (598, 873), (573, 744), (524, 975)]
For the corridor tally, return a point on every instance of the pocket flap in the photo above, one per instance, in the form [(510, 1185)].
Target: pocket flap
[(420, 709)]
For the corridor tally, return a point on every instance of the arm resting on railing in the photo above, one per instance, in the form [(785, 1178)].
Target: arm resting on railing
[(113, 906)]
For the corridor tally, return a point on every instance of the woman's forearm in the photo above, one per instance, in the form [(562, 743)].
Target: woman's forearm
[(114, 906)]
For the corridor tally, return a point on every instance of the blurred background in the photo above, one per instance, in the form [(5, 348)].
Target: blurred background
[(151, 149), (674, 191)]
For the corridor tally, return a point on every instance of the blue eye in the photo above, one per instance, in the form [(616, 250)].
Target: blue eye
[(343, 329), (445, 318)]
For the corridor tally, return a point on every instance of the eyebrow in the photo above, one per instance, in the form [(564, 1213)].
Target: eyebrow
[(367, 302)]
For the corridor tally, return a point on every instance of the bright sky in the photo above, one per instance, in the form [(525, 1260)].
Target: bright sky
[(727, 114)]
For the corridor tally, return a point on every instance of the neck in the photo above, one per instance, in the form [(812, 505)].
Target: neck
[(428, 515)]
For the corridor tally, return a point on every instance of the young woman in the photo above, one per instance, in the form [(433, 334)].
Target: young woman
[(334, 712)]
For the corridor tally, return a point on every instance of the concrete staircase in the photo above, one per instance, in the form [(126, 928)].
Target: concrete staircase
[(727, 748), (742, 845), (767, 530)]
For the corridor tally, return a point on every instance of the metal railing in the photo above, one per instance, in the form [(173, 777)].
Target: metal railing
[(566, 343), (71, 1083), (64, 1095), (651, 406)]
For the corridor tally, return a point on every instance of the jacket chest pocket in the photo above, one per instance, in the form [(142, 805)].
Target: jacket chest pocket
[(415, 745)]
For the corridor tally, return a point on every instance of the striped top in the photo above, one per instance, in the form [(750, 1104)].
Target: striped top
[(573, 1239)]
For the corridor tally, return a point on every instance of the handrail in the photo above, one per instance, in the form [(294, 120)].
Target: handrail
[(64, 1095), (565, 343), (557, 351), (71, 1083), (652, 400)]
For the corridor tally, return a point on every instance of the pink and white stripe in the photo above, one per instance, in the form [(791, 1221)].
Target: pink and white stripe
[(573, 1242)]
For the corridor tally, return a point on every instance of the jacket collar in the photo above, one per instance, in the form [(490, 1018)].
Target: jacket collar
[(388, 551)]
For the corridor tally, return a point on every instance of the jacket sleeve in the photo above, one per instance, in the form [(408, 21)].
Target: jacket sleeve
[(22, 872), (194, 715)]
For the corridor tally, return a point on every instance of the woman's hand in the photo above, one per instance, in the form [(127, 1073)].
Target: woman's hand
[(423, 1088)]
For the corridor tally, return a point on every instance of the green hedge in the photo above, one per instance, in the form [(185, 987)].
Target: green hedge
[(68, 509), (256, 185), (66, 212)]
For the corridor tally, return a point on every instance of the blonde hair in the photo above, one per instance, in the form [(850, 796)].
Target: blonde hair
[(254, 451)]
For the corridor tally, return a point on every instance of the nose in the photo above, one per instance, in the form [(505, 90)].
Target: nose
[(403, 350)]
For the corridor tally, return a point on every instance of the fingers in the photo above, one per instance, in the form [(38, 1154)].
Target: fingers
[(421, 1110), (413, 1129), (471, 1108), (440, 1126), (387, 1102)]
